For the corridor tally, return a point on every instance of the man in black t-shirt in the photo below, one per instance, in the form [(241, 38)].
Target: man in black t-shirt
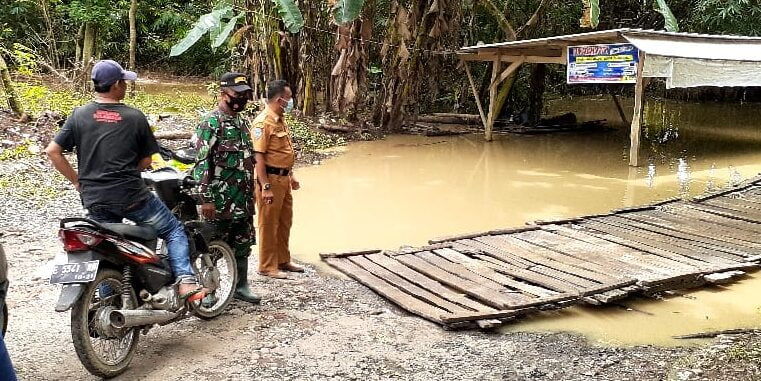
[(113, 143)]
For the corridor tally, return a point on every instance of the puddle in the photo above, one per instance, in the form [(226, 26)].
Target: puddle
[(408, 189)]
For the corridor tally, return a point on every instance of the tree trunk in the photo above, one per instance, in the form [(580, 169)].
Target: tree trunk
[(536, 93), (51, 35), (132, 40), (88, 46), (78, 49), (350, 71), (10, 92)]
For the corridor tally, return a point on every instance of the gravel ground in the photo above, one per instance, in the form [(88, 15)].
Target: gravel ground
[(317, 326)]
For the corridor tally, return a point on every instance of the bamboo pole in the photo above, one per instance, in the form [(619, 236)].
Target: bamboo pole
[(475, 94), (636, 126)]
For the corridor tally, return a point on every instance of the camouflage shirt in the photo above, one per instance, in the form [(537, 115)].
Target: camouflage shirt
[(225, 165)]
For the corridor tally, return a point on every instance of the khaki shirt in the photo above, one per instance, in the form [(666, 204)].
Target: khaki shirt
[(273, 139)]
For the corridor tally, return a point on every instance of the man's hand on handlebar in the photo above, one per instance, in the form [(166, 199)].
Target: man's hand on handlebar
[(209, 211)]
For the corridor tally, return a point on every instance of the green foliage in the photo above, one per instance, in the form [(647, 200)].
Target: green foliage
[(95, 11), (220, 38), (290, 14), (594, 13), (346, 11), (19, 151), (311, 139), (38, 98), (209, 22), (23, 57), (741, 17), (668, 16)]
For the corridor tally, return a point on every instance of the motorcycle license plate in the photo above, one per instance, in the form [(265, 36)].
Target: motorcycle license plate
[(74, 272)]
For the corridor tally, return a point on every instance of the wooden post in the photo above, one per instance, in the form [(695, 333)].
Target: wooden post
[(639, 91), (496, 64), (475, 94)]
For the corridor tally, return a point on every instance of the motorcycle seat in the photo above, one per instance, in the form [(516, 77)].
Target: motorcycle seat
[(142, 233)]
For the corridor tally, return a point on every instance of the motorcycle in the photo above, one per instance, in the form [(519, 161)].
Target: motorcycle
[(118, 284)]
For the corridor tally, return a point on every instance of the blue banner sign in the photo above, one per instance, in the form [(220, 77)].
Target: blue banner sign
[(608, 63)]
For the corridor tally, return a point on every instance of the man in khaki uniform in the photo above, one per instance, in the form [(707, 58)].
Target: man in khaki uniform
[(274, 153)]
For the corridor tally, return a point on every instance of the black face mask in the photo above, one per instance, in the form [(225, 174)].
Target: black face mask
[(237, 104)]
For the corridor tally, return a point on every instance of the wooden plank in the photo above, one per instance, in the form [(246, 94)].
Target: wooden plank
[(589, 261), (496, 250), (406, 286), (738, 253), (624, 252), (544, 257), (482, 269), (485, 295), (476, 95), (348, 253), (648, 244), (512, 68), (429, 284), (667, 241), (464, 272), (576, 281), (711, 218), (529, 276), (636, 244), (724, 212), (414, 305), (751, 213), (697, 229), (585, 251)]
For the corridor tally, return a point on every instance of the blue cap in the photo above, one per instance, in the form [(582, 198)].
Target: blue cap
[(107, 72)]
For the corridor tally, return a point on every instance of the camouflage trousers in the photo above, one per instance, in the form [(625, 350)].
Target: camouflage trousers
[(239, 234)]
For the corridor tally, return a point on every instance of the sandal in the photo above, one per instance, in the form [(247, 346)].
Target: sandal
[(194, 295)]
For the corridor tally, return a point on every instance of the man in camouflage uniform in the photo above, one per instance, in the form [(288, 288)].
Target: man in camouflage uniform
[(225, 167)]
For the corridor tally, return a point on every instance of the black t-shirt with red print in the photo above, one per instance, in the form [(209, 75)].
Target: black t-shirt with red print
[(110, 139)]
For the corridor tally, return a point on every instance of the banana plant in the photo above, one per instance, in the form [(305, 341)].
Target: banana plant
[(591, 15), (221, 21), (346, 11)]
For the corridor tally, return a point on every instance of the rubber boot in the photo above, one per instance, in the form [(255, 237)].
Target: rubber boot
[(242, 292)]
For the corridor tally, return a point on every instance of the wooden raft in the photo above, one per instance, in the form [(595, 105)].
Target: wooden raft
[(491, 277)]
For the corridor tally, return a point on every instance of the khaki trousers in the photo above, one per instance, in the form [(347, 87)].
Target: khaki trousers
[(275, 222)]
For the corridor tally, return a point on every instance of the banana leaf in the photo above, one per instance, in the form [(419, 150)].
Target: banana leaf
[(204, 24), (225, 32), (290, 14), (663, 8), (346, 11)]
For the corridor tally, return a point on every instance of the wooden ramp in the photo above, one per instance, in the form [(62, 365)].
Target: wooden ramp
[(492, 277)]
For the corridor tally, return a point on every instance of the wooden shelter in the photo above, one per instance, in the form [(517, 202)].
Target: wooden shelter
[(684, 59)]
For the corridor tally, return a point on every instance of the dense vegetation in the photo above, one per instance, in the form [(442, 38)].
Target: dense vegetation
[(378, 59)]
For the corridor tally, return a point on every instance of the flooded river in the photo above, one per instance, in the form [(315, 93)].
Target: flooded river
[(405, 190)]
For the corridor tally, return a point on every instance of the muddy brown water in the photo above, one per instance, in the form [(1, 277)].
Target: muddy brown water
[(405, 190)]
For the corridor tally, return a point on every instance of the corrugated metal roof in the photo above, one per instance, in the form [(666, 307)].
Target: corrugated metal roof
[(672, 44), (701, 47)]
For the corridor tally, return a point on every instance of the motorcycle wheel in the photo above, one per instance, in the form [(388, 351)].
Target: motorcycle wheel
[(221, 259), (102, 356)]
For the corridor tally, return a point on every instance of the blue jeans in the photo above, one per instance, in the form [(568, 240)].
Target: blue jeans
[(6, 368), (154, 213)]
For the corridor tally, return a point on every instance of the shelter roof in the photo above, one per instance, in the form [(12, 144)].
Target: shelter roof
[(670, 44)]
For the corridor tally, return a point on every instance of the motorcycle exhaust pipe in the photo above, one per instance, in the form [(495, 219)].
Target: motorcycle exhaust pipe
[(136, 318)]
